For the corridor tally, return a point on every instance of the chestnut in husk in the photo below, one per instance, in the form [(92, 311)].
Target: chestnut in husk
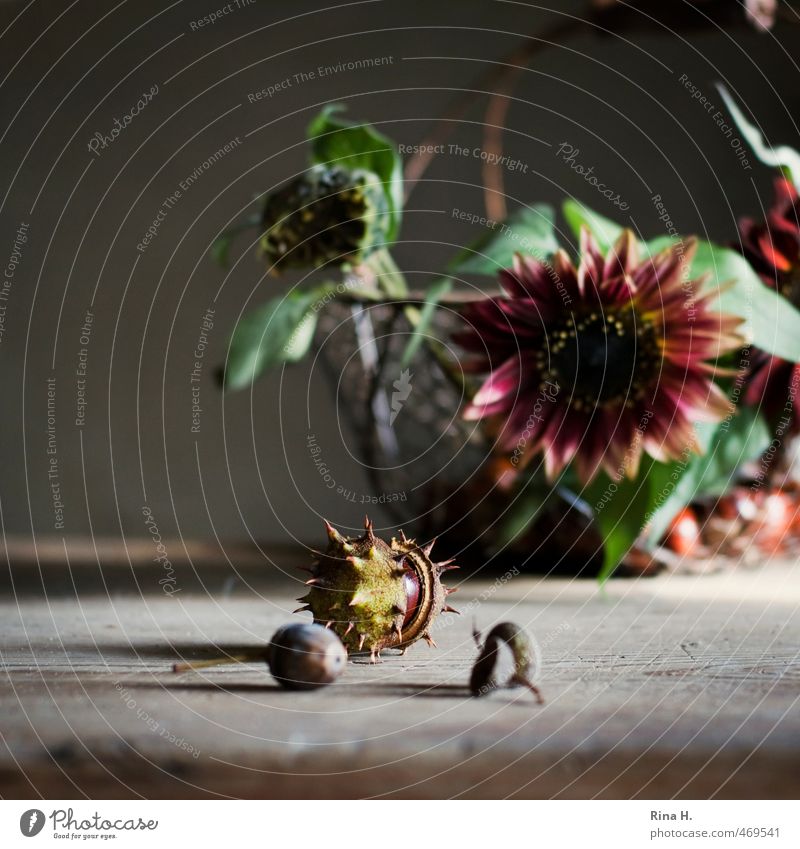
[(376, 594)]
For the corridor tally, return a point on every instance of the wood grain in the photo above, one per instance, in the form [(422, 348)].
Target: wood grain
[(667, 687)]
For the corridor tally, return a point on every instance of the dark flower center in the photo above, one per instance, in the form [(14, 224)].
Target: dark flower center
[(603, 359)]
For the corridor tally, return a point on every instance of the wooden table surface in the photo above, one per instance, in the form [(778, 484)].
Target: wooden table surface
[(676, 686)]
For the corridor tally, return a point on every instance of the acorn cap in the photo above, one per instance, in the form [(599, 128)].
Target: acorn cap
[(487, 674)]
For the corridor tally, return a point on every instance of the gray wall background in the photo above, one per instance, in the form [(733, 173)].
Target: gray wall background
[(71, 69)]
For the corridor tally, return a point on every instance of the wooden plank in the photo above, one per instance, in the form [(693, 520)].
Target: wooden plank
[(655, 688)]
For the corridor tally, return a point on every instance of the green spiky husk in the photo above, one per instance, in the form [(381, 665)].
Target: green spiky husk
[(358, 589)]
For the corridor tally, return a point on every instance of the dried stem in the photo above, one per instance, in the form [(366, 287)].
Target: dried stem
[(493, 127), (524, 682), (605, 16), (417, 298), (488, 82), (256, 655)]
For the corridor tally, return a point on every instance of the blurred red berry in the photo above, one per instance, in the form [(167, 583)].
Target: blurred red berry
[(683, 536)]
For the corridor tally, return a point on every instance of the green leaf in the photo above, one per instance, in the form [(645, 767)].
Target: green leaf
[(280, 331), (658, 493), (604, 230), (426, 314), (338, 142), (784, 157), (530, 230), (619, 509), (771, 322), (726, 446), (300, 340), (220, 249)]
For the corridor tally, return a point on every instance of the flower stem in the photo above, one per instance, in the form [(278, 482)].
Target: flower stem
[(417, 298), (255, 655), (391, 280)]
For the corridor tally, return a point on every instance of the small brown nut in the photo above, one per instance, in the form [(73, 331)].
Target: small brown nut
[(305, 656)]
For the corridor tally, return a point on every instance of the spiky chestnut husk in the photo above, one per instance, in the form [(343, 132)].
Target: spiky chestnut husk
[(329, 215), (376, 595)]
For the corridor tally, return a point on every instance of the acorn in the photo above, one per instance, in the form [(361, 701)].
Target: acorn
[(488, 672), (299, 656), (376, 595)]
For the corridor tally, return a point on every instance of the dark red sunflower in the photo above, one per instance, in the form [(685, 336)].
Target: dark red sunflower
[(772, 247), (599, 363)]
